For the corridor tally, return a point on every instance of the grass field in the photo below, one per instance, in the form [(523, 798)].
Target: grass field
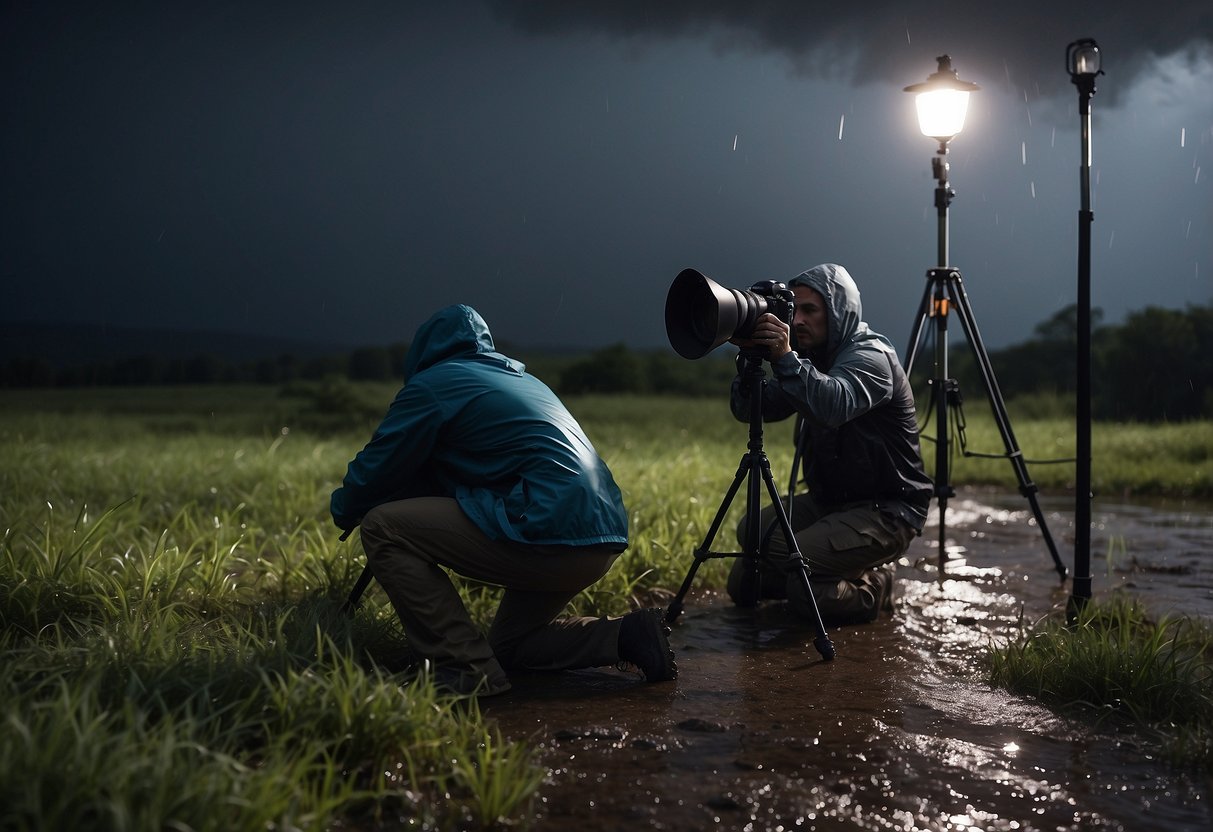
[(172, 644)]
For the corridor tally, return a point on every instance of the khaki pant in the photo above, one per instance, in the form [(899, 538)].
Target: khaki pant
[(847, 548), (409, 542)]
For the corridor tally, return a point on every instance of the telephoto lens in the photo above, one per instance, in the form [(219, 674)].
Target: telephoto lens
[(700, 314)]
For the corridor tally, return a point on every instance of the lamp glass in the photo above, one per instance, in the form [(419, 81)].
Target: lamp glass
[(1086, 60), (941, 112)]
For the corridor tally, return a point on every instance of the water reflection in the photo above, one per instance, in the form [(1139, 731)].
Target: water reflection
[(899, 731)]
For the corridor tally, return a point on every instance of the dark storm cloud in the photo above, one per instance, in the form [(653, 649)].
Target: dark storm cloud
[(338, 171), (1022, 43)]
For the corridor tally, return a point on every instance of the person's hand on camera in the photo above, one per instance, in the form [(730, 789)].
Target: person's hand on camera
[(770, 334)]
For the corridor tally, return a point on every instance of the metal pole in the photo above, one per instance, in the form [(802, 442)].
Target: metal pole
[(940, 307), (943, 198), (1081, 588)]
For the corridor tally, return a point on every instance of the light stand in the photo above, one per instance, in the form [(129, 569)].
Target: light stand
[(1082, 62), (754, 470), (941, 102)]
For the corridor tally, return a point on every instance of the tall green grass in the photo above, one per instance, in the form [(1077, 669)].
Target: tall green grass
[(170, 579), (1119, 665), (173, 655)]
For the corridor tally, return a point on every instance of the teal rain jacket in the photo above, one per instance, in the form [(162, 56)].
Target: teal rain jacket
[(470, 423)]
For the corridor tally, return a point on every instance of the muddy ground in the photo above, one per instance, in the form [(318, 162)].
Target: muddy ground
[(898, 731)]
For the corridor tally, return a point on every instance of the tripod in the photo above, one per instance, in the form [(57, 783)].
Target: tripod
[(943, 291), (755, 469), (364, 580)]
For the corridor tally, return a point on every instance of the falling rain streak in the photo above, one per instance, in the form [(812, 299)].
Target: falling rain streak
[(842, 119), (735, 140)]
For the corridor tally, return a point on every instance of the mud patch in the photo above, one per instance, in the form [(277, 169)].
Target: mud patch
[(898, 732)]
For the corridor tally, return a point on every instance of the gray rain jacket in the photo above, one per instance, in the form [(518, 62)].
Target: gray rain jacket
[(860, 434)]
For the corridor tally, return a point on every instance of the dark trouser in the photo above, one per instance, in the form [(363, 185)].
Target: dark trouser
[(847, 548), (409, 542)]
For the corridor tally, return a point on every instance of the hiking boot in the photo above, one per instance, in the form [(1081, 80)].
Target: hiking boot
[(877, 584), (644, 642), (884, 578)]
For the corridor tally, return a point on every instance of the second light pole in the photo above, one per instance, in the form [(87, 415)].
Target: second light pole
[(1082, 62)]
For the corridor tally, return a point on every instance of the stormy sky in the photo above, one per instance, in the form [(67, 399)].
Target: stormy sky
[(338, 171)]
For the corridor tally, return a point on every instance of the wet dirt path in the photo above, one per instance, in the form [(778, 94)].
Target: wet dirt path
[(898, 732)]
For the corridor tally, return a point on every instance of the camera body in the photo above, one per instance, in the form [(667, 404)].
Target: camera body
[(700, 314), (780, 300)]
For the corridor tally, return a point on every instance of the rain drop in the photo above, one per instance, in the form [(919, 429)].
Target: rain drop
[(735, 141), (841, 121), (1023, 152), (1183, 135)]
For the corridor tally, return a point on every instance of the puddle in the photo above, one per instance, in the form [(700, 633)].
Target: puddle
[(898, 732)]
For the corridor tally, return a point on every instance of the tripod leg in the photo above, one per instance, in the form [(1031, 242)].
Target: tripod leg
[(822, 642), (916, 330), (704, 551), (942, 390), (1026, 486), (364, 580)]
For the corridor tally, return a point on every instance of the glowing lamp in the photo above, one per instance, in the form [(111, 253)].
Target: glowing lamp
[(942, 101)]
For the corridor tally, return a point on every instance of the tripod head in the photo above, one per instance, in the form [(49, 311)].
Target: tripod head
[(749, 361)]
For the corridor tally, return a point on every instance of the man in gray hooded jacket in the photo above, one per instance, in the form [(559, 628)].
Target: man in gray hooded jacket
[(858, 436)]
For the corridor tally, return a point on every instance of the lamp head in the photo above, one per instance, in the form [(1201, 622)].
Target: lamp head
[(1082, 62), (942, 101), (1083, 59)]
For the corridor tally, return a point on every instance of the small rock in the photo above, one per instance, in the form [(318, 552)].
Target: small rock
[(702, 725)]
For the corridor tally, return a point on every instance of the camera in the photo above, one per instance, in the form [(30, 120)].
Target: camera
[(700, 314)]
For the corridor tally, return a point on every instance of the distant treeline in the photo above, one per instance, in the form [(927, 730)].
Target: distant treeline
[(365, 364), (1156, 366)]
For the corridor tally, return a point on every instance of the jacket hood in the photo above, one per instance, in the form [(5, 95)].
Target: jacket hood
[(454, 332), (843, 307)]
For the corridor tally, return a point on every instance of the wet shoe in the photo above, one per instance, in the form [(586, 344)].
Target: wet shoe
[(644, 642), (875, 588), (884, 578)]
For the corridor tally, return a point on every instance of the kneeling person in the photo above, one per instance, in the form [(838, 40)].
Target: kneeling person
[(478, 467), (867, 490)]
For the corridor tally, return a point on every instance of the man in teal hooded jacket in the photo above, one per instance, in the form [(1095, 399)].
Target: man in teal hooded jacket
[(867, 490), (478, 467)]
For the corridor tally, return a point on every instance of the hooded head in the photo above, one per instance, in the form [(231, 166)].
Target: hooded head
[(453, 332), (844, 312)]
